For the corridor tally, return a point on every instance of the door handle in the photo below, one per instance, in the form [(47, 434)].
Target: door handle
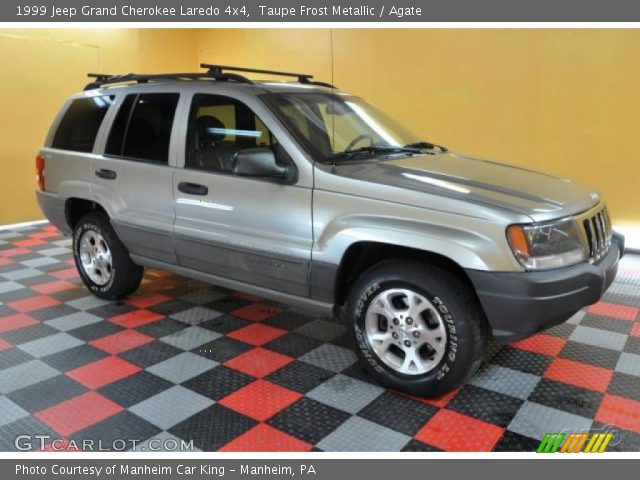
[(192, 188), (106, 174)]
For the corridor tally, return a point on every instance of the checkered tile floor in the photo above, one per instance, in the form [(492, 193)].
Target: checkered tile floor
[(183, 360)]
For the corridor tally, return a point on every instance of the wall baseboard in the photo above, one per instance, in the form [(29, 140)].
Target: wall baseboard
[(23, 224), (631, 237)]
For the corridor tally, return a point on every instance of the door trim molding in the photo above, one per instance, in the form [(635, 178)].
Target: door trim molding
[(312, 306), (243, 249)]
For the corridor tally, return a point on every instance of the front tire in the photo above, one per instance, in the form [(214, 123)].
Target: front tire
[(102, 260), (419, 328)]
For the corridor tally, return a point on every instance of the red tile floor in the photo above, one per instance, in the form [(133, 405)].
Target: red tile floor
[(181, 360)]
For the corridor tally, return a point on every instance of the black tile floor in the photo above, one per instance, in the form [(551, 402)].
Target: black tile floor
[(181, 361)]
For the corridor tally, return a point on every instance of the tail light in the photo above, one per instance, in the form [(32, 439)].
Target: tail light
[(40, 171)]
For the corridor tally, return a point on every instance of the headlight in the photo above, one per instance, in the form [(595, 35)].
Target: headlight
[(541, 246)]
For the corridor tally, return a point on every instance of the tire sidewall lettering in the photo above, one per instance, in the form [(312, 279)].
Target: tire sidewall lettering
[(366, 352)]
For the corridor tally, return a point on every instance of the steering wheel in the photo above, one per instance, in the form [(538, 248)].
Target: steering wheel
[(358, 139)]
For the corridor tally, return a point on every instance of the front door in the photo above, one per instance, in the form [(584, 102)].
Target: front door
[(254, 230)]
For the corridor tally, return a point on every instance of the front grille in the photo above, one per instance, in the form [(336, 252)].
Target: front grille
[(598, 232)]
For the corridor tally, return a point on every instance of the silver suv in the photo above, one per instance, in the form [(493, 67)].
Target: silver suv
[(301, 193)]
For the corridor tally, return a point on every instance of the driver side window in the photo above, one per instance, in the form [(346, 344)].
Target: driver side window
[(219, 128)]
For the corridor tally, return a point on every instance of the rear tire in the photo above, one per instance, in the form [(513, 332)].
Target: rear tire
[(102, 260), (419, 328)]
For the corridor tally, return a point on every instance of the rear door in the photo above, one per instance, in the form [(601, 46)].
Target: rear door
[(133, 177), (253, 230)]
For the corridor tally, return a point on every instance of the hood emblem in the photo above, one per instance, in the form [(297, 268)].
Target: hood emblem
[(595, 196)]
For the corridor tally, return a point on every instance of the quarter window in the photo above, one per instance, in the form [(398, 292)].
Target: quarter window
[(142, 128), (80, 124)]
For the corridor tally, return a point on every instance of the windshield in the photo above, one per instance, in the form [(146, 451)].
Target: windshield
[(342, 127)]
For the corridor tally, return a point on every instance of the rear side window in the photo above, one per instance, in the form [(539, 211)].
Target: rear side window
[(79, 126), (119, 127), (142, 127)]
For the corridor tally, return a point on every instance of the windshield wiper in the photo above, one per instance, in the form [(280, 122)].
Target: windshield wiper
[(372, 150), (422, 145)]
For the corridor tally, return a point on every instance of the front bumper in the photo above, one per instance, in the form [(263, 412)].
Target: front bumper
[(520, 304)]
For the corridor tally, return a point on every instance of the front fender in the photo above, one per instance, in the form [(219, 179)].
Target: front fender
[(472, 243)]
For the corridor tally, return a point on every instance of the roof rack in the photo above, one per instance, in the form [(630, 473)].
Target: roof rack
[(302, 77), (214, 72)]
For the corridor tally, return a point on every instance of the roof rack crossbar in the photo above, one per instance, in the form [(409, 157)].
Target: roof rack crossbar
[(218, 69), (99, 76)]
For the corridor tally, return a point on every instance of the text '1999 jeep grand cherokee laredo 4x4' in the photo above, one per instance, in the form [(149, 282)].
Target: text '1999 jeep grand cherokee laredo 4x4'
[(300, 193)]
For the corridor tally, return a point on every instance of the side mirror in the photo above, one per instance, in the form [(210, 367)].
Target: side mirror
[(258, 162)]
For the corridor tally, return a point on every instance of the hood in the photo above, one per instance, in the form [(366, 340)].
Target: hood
[(537, 195)]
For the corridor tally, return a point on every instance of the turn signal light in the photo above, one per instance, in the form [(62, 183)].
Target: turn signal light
[(40, 171), (518, 241)]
